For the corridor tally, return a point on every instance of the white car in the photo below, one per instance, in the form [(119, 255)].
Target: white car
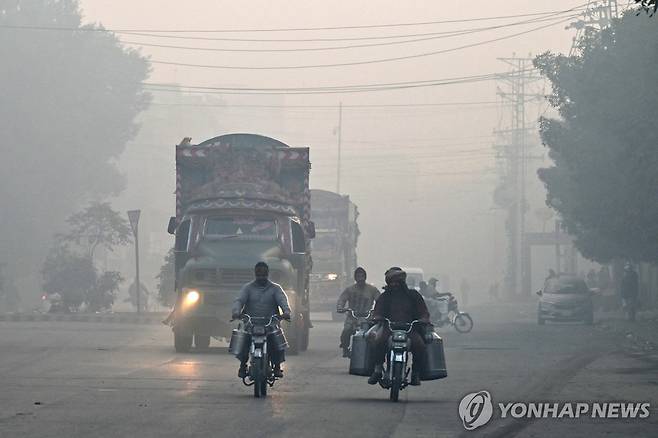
[(414, 277)]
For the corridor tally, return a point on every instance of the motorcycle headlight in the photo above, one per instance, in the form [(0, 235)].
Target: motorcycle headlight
[(332, 276), (191, 298), (399, 336)]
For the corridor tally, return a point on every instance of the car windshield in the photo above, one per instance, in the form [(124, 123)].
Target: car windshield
[(413, 280), (565, 286), (241, 228)]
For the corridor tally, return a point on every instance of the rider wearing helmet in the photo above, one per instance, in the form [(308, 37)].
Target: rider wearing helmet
[(398, 303)]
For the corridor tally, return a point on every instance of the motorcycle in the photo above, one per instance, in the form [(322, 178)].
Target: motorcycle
[(363, 324), (396, 368), (255, 334), (449, 314)]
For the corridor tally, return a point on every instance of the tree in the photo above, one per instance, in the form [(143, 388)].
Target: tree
[(604, 181), (69, 274), (167, 279), (69, 102), (98, 225), (649, 6), (103, 294)]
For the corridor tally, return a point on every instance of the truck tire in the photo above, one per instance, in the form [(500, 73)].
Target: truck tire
[(293, 339), (201, 342), (303, 346), (182, 342)]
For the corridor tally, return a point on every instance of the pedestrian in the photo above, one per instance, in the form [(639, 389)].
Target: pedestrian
[(630, 288)]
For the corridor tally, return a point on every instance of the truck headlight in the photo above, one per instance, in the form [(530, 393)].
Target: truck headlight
[(191, 298)]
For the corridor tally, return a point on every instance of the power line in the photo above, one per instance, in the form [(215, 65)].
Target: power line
[(433, 36), (354, 88), (371, 61), (332, 107), (368, 26)]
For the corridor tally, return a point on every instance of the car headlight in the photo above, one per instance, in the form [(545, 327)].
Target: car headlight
[(191, 298)]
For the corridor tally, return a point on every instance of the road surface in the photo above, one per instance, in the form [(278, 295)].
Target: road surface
[(76, 379)]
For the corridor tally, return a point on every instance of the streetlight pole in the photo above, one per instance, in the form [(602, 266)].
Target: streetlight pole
[(133, 216)]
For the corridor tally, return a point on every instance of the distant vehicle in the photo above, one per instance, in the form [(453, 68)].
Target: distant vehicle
[(565, 298), (414, 277), (334, 247)]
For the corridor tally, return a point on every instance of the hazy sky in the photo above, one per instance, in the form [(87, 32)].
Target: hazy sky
[(420, 174)]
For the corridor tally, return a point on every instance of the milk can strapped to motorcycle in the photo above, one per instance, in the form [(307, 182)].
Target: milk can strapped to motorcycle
[(435, 359)]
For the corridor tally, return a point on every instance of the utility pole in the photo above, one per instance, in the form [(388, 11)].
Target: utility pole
[(598, 15), (516, 155), (340, 129), (133, 216)]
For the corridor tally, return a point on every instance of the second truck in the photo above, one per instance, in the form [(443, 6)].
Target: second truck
[(334, 247)]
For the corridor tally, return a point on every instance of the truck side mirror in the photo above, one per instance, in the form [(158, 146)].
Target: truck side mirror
[(539, 292), (171, 228), (311, 230)]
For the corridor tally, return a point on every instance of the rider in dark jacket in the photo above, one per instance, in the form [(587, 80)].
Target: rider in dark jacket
[(398, 303), (262, 298)]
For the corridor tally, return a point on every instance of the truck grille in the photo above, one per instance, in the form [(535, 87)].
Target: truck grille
[(228, 278), (236, 277)]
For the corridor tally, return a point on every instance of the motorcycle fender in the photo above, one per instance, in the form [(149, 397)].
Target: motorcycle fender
[(398, 357)]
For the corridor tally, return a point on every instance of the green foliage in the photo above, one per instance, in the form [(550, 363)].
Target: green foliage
[(650, 6), (69, 274), (604, 182), (98, 225), (167, 279), (104, 293), (69, 102)]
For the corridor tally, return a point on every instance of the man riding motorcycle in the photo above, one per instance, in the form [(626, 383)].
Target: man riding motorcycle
[(360, 297), (262, 298), (398, 303)]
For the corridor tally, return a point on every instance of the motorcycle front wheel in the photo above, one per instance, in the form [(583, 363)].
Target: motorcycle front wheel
[(258, 374), (396, 381), (463, 322)]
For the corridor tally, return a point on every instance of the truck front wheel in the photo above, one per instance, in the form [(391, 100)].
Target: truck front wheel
[(182, 342)]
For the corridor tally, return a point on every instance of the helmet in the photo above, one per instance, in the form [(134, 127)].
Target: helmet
[(395, 274)]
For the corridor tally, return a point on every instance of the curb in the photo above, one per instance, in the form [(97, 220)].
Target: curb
[(114, 318)]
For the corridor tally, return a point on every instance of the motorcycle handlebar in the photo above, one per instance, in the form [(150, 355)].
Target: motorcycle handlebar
[(354, 315), (410, 324), (248, 318)]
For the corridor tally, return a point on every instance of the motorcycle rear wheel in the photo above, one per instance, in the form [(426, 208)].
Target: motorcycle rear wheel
[(463, 323)]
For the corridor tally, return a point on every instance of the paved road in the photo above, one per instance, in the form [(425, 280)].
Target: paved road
[(68, 379)]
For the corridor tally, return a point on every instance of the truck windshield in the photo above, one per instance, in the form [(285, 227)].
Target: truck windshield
[(241, 228)]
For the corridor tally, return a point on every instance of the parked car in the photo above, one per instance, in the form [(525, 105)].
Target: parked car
[(565, 298)]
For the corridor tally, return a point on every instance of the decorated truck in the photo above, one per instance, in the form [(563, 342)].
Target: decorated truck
[(334, 247), (240, 199)]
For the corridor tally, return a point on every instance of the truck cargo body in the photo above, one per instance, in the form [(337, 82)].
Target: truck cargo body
[(334, 247), (240, 199)]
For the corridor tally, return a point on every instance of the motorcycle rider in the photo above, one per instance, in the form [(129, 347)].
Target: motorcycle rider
[(360, 297), (398, 303), (262, 298)]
